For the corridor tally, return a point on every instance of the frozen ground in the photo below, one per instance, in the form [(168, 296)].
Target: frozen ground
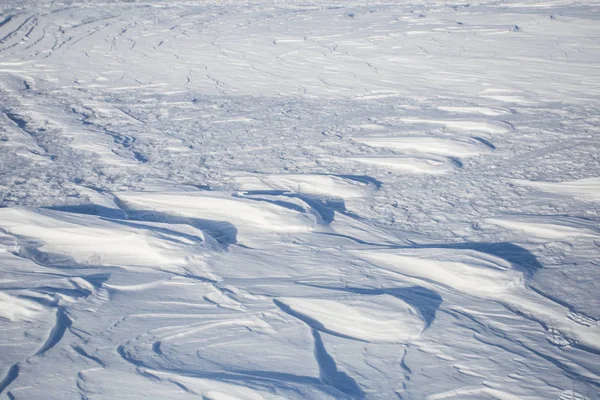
[(299, 199)]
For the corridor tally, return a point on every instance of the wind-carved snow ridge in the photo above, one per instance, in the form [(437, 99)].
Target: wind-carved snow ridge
[(381, 319), (299, 200)]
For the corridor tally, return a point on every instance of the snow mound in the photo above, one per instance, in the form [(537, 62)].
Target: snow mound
[(249, 219), (381, 318), (442, 146), (461, 125), (584, 189), (64, 238), (410, 165), (311, 184), (465, 271), (13, 308), (547, 228)]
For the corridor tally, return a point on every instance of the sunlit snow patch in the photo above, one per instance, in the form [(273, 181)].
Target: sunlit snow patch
[(547, 228), (14, 308), (465, 271), (382, 318), (585, 189), (410, 165), (479, 275), (85, 239), (312, 184), (249, 219), (459, 125), (442, 146), (490, 112)]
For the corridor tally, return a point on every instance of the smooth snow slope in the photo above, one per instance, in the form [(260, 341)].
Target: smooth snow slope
[(299, 199)]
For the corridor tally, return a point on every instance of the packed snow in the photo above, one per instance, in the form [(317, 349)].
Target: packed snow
[(316, 199)]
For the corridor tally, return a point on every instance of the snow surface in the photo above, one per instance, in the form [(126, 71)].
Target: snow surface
[(310, 199)]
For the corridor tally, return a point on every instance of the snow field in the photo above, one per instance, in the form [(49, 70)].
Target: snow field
[(292, 200)]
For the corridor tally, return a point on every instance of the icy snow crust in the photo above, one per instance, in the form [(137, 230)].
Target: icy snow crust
[(299, 200)]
